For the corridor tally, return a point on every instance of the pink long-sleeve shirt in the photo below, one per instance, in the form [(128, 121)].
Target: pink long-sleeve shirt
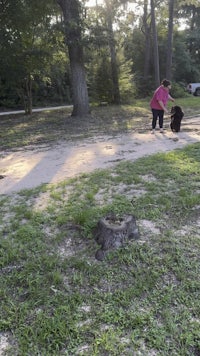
[(161, 94)]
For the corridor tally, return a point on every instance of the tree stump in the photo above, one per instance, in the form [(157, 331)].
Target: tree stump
[(112, 232)]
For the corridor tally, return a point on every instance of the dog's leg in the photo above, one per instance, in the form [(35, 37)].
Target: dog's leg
[(171, 126)]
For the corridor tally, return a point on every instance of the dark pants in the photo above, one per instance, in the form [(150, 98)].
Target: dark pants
[(157, 114)]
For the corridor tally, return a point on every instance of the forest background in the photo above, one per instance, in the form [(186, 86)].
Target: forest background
[(69, 52)]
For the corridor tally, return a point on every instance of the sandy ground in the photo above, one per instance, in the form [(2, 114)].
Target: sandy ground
[(30, 167)]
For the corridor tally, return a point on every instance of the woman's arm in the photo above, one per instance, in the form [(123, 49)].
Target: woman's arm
[(170, 98), (162, 106)]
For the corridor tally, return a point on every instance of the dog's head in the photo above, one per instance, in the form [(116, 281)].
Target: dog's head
[(176, 110)]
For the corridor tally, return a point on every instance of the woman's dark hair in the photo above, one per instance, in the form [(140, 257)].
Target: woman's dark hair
[(165, 82)]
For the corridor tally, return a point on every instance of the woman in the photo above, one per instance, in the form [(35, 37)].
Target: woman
[(158, 104)]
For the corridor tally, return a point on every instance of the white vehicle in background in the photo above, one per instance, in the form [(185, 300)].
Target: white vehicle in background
[(194, 88)]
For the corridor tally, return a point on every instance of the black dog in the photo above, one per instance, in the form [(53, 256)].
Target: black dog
[(176, 117)]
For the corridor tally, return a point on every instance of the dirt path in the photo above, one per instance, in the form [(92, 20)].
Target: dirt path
[(29, 168), (16, 112)]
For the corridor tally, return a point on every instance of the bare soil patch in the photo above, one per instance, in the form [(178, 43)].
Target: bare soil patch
[(28, 167)]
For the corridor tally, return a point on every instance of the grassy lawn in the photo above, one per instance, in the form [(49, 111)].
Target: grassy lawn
[(50, 126), (144, 298)]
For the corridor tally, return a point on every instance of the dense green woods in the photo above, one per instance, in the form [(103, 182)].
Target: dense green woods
[(68, 52)]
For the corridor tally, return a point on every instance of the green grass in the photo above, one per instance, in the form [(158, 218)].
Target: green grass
[(46, 128), (143, 299)]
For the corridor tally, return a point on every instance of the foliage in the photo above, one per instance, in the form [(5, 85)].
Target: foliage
[(34, 63), (126, 83), (27, 54), (103, 83), (179, 90)]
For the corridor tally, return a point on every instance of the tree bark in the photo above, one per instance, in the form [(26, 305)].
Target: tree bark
[(113, 232), (111, 41), (71, 14), (155, 45), (147, 29), (170, 40), (27, 95)]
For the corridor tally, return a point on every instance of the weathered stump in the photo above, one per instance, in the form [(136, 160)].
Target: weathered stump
[(112, 232)]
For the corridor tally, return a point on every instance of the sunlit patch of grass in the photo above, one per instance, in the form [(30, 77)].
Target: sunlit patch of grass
[(143, 298), (52, 126), (189, 104)]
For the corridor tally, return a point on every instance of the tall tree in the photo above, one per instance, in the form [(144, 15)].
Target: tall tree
[(111, 42), (191, 12), (155, 44), (25, 48), (73, 33), (170, 40), (146, 28)]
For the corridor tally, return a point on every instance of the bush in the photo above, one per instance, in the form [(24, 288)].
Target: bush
[(178, 90)]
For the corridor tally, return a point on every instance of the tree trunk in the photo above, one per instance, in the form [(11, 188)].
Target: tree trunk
[(147, 41), (114, 69), (155, 45), (29, 94), (26, 95), (113, 232), (170, 40), (71, 14), (78, 79)]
